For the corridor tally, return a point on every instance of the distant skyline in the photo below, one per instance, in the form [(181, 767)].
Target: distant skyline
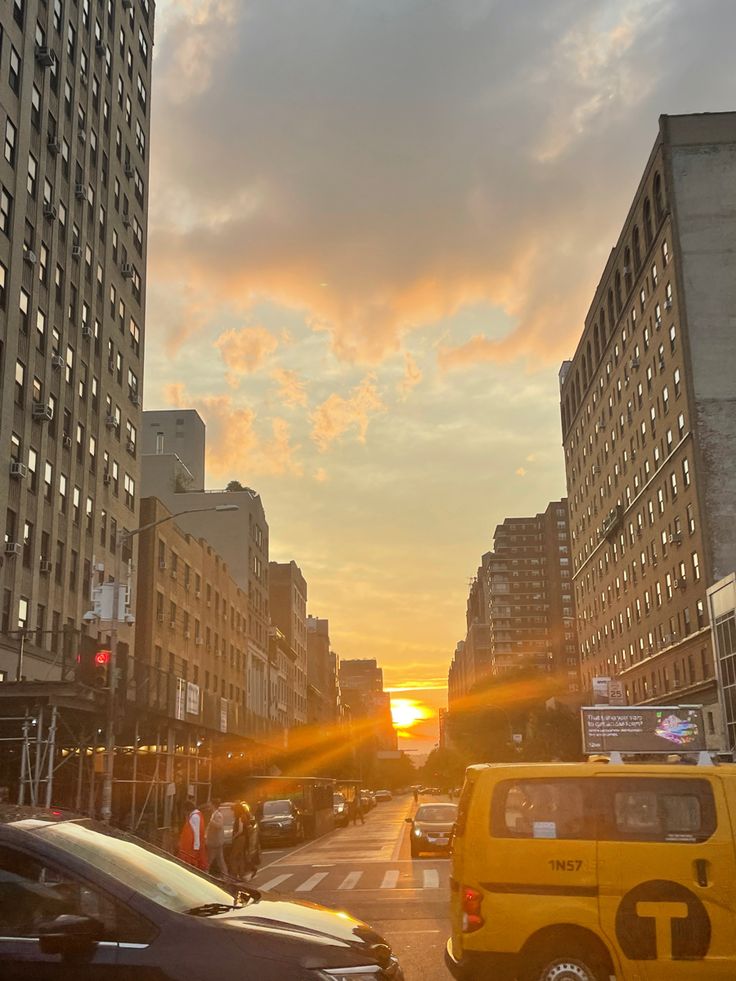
[(375, 230)]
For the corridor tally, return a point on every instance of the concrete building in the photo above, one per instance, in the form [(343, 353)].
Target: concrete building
[(179, 431), (287, 590), (242, 543), (471, 661), (648, 405), (531, 612), (75, 90)]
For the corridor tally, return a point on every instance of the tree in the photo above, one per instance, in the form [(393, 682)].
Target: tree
[(444, 768), (234, 485)]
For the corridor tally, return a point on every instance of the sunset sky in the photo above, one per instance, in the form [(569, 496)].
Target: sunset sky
[(375, 229)]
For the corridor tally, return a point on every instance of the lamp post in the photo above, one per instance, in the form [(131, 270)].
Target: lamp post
[(125, 537)]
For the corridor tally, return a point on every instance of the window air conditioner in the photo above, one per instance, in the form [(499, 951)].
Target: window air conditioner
[(66, 440), (18, 469), (13, 548), (127, 270), (41, 410), (45, 57), (80, 191), (49, 211), (45, 566)]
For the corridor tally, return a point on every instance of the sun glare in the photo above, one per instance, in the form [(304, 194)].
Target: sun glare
[(407, 712)]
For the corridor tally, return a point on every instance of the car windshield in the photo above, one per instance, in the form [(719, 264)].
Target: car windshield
[(276, 808), (445, 813), (138, 866)]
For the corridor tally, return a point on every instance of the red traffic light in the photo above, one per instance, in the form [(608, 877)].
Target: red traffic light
[(102, 658)]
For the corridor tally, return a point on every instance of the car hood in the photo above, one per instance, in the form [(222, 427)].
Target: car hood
[(319, 937)]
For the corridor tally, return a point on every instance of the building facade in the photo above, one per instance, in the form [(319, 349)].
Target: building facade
[(322, 685), (531, 610), (361, 688), (648, 406), (75, 83), (242, 543), (287, 590)]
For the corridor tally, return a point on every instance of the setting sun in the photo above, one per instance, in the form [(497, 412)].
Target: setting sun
[(407, 712)]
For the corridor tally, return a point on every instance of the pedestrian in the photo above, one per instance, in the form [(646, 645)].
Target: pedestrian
[(356, 809), (416, 795), (215, 838), (241, 860), (191, 839)]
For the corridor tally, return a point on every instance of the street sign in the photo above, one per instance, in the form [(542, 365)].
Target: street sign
[(616, 692), (643, 729)]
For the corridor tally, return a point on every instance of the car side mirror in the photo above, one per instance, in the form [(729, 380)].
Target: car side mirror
[(69, 934), (409, 820)]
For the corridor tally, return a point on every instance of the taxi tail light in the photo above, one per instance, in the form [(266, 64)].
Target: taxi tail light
[(471, 900)]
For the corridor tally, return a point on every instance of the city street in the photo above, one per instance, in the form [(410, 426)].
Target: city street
[(367, 870)]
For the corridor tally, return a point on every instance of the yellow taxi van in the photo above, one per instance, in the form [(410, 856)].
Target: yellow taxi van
[(593, 871)]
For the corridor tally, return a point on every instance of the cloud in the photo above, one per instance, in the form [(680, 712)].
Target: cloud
[(520, 472), (291, 389), (320, 475), (244, 351), (236, 446), (336, 415), (412, 375), (373, 193)]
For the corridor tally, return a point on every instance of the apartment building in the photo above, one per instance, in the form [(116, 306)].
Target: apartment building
[(75, 84), (241, 541), (648, 406), (191, 649), (529, 588), (471, 662), (287, 590)]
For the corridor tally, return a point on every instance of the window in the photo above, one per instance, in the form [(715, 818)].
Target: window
[(696, 566), (654, 809), (11, 137), (20, 383), (542, 809), (14, 71), (32, 182), (6, 211)]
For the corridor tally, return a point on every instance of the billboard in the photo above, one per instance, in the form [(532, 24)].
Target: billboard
[(643, 729)]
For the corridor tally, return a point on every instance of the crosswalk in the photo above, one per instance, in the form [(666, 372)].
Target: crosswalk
[(336, 880)]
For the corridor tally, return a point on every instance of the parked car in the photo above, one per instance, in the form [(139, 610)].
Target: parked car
[(431, 828), (254, 837), (341, 810), (280, 820), (78, 900), (382, 795), (367, 799)]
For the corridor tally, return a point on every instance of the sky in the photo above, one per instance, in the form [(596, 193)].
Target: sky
[(375, 229)]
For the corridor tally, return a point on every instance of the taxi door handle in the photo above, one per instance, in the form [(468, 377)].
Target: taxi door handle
[(701, 871)]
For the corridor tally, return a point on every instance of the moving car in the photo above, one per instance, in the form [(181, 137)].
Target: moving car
[(587, 871), (341, 810), (381, 795), (79, 901), (431, 828), (280, 820), (253, 838)]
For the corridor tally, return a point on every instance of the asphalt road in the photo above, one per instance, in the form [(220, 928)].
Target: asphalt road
[(367, 870)]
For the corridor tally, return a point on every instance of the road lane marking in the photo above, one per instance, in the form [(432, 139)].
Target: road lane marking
[(272, 883), (431, 879), (351, 880), (390, 879), (311, 882)]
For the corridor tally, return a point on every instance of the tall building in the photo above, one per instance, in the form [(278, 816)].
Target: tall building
[(242, 544), (287, 590), (531, 612), (361, 686), (648, 405), (75, 83), (471, 661), (321, 682)]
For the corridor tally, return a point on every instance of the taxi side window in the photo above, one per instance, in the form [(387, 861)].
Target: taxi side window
[(653, 809), (560, 808), (33, 892)]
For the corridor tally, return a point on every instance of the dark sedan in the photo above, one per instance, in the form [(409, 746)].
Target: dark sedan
[(280, 820), (432, 827), (78, 901)]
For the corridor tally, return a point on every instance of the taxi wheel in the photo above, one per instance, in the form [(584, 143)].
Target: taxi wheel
[(565, 967)]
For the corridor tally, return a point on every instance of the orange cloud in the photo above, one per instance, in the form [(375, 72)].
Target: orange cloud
[(336, 415), (244, 351), (291, 389), (234, 445)]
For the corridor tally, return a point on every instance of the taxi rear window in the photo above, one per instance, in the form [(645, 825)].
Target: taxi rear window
[(664, 809)]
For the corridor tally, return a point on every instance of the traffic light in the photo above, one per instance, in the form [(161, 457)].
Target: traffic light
[(93, 664), (101, 669)]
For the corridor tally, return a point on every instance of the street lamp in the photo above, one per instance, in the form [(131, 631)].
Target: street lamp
[(125, 536)]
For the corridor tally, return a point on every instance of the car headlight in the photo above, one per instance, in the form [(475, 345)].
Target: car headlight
[(417, 832), (369, 973)]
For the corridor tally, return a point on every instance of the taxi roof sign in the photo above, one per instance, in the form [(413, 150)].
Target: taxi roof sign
[(643, 729)]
